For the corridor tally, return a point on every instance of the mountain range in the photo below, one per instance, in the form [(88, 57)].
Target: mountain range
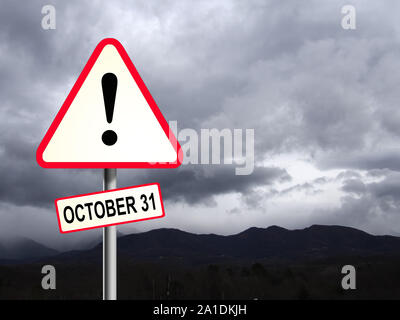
[(266, 244), (262, 263)]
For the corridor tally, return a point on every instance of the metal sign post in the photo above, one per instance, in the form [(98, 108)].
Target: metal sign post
[(110, 245), (140, 138)]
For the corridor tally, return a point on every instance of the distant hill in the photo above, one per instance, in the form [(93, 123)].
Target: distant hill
[(93, 242), (272, 243), (18, 248)]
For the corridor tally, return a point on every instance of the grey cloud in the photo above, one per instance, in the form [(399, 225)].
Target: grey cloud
[(321, 180), (355, 186), (311, 187), (306, 187), (372, 206), (388, 189), (377, 159), (348, 174)]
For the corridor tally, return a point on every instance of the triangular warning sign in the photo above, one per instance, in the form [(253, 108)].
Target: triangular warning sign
[(109, 120)]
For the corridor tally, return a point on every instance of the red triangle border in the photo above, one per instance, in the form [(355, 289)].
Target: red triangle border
[(70, 98)]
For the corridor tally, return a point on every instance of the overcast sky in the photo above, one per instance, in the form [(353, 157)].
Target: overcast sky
[(323, 103)]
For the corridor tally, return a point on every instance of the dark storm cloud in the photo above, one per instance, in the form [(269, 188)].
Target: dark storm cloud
[(286, 69), (355, 186), (387, 189), (40, 67), (25, 183), (198, 185), (28, 184)]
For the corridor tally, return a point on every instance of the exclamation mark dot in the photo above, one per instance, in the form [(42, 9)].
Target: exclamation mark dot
[(109, 84)]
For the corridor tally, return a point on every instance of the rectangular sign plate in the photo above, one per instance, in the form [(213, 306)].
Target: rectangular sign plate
[(111, 207)]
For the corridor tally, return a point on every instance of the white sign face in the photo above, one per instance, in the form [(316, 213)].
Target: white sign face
[(109, 120), (111, 207)]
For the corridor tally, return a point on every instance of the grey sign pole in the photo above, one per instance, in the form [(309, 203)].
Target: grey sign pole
[(110, 245)]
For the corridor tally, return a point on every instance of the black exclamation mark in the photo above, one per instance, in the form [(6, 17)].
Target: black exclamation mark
[(109, 84)]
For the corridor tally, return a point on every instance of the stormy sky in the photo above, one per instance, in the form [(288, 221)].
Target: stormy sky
[(323, 103)]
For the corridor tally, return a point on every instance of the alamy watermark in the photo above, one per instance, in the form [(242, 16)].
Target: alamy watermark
[(349, 19), (215, 146), (349, 280), (49, 18), (49, 280)]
